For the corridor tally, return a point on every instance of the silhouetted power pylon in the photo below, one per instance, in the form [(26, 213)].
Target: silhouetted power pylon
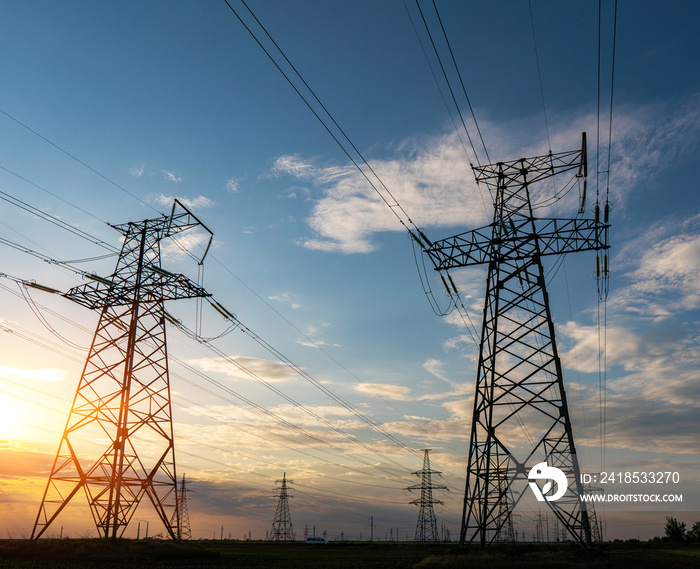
[(122, 403), (183, 529), (282, 526), (426, 528), (519, 384), (507, 532), (596, 528)]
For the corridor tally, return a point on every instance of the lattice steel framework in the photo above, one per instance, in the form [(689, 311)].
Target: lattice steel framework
[(122, 403), (426, 528), (519, 384), (282, 525)]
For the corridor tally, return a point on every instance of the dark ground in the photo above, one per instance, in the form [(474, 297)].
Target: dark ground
[(129, 554)]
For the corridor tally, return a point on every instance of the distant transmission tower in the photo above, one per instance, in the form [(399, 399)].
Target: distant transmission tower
[(519, 383), (596, 528), (123, 398), (183, 529), (507, 532), (282, 526), (426, 528)]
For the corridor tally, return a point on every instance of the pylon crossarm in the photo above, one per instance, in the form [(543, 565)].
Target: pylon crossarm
[(183, 220), (537, 168), (514, 243), (155, 287)]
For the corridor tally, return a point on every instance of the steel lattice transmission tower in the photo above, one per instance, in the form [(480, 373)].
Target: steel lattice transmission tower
[(282, 526), (519, 384), (507, 532), (122, 402), (184, 531), (426, 528)]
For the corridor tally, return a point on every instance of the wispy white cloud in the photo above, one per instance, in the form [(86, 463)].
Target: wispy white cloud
[(308, 171), (199, 201), (434, 183), (650, 341), (232, 186), (172, 177), (285, 298), (434, 367), (404, 393), (455, 426), (311, 337), (385, 390), (43, 374), (136, 171), (350, 211), (192, 242), (269, 370), (671, 267)]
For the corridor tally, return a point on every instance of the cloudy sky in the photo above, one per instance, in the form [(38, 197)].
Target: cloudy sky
[(111, 110)]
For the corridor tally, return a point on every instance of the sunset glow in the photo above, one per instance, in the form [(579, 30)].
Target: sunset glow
[(324, 346)]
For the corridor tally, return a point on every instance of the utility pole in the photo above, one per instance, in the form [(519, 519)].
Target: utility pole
[(519, 375), (371, 528), (426, 528), (124, 388), (282, 526)]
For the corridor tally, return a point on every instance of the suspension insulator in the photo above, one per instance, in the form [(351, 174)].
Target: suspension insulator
[(160, 271), (170, 318), (605, 265), (454, 287), (416, 239), (444, 283), (597, 266), (100, 279), (606, 213), (221, 309), (41, 287), (428, 241), (596, 212)]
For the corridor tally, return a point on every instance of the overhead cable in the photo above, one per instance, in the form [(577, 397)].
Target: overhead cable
[(347, 147), (59, 148)]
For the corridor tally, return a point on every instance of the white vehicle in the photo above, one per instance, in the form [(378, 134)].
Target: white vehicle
[(316, 540)]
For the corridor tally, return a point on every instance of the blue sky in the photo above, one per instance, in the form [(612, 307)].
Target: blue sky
[(175, 99)]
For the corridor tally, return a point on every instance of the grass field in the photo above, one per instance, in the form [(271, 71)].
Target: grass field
[(129, 554)]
